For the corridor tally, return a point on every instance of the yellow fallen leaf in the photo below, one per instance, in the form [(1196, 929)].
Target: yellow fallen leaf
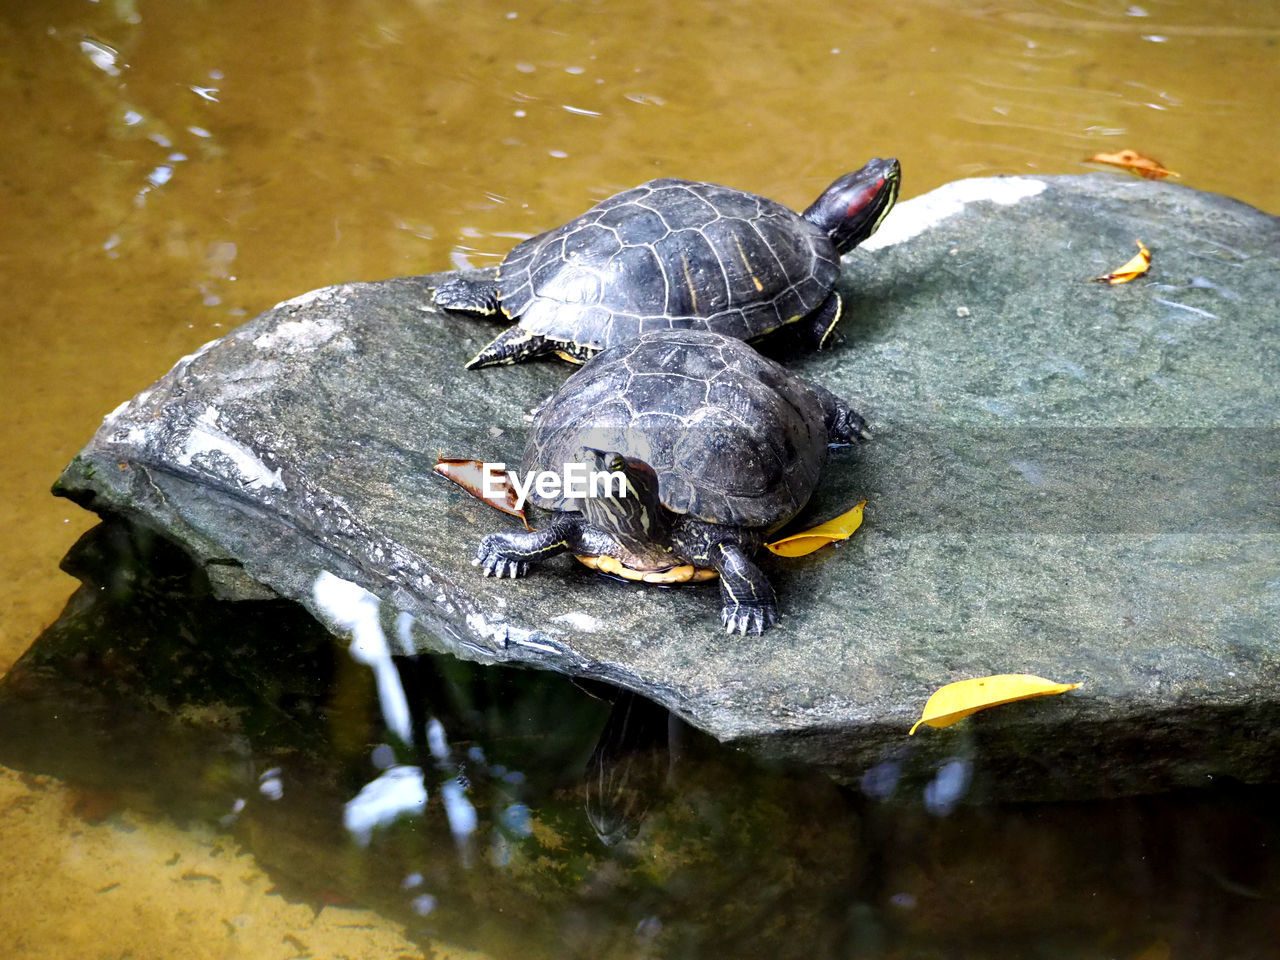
[(957, 700), (1134, 162), (807, 541), (1135, 268)]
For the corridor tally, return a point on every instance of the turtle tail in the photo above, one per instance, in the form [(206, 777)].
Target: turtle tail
[(511, 346)]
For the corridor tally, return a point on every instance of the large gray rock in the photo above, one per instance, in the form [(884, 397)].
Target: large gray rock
[(1068, 478)]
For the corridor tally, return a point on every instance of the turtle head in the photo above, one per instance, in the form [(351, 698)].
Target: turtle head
[(851, 209), (623, 500)]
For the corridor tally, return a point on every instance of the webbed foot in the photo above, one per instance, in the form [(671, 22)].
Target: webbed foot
[(849, 428), (748, 603), (844, 425), (495, 561), (509, 554), (475, 296), (744, 618)]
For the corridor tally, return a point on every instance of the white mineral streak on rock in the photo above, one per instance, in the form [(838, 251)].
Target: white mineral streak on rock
[(136, 436), (205, 437), (480, 624), (296, 336), (351, 608), (310, 297), (913, 217), (200, 350), (582, 622)]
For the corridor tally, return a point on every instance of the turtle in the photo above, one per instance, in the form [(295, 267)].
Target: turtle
[(709, 448), (675, 254)]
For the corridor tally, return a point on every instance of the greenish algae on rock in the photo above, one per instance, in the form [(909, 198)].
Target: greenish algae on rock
[(1069, 479)]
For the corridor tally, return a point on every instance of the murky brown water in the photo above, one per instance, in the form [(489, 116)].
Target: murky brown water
[(170, 169)]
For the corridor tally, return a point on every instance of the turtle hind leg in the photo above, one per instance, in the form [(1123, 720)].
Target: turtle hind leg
[(748, 601), (575, 352), (474, 296), (511, 346), (844, 424), (820, 326)]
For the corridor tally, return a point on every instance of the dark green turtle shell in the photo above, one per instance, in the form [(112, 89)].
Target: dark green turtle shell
[(734, 438), (669, 254)]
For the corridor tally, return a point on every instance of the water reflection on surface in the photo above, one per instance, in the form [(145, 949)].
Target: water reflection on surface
[(525, 810)]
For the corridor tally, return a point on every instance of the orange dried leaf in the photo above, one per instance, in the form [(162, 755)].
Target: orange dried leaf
[(807, 541), (957, 700), (1134, 162), (1135, 268), (470, 476)]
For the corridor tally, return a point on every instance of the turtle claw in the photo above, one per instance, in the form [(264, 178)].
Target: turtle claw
[(493, 562), (743, 618), (501, 567)]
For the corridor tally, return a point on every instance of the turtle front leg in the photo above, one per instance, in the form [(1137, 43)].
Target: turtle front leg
[(474, 296), (747, 597), (509, 554)]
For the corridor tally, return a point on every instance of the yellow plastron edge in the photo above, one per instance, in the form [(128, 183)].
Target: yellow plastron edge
[(687, 573)]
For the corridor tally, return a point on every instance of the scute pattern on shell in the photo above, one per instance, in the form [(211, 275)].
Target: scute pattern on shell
[(734, 437), (669, 254)]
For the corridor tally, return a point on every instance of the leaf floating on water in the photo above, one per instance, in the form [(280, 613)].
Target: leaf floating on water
[(470, 476), (1134, 162), (815, 538), (1135, 268), (957, 700)]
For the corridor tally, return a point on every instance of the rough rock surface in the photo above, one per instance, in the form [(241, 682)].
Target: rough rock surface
[(1068, 478)]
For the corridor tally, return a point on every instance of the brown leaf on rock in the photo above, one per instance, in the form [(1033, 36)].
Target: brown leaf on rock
[(1134, 162), (471, 475)]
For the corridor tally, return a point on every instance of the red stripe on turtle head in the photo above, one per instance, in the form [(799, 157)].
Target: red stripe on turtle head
[(864, 197)]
